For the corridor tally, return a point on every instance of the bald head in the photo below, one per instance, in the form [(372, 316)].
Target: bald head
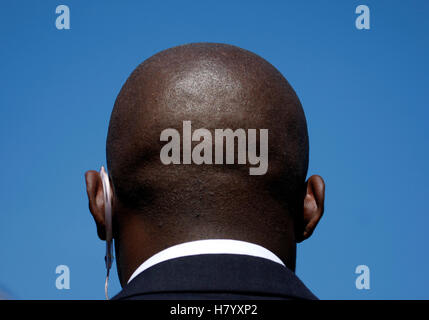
[(211, 86)]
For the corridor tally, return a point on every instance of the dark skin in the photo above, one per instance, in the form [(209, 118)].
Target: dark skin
[(156, 206)]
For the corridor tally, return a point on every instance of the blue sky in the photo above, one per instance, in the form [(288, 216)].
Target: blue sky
[(365, 94)]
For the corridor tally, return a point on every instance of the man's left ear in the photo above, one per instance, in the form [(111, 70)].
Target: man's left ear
[(94, 189), (314, 201)]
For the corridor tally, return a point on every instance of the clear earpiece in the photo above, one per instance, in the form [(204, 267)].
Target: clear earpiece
[(108, 221)]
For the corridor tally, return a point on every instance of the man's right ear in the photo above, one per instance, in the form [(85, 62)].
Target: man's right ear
[(94, 189), (314, 206)]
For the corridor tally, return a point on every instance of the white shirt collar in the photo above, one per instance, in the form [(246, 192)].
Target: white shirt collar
[(210, 246)]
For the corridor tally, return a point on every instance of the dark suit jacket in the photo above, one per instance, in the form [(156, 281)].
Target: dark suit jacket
[(216, 276)]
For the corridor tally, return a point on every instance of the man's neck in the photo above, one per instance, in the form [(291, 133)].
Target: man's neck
[(133, 248)]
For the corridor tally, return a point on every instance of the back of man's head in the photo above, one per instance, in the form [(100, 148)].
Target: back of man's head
[(201, 193)]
